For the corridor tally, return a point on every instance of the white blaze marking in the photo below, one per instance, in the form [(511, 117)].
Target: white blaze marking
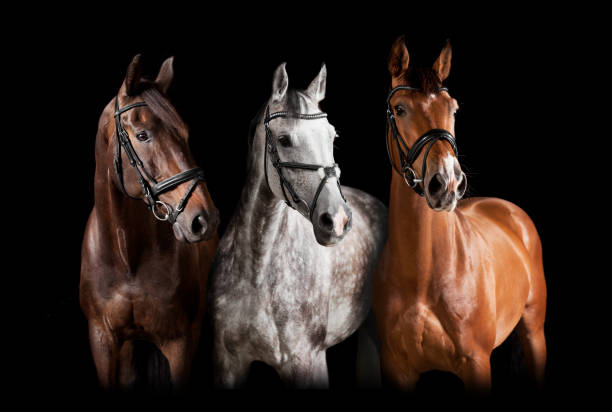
[(340, 219), (449, 166)]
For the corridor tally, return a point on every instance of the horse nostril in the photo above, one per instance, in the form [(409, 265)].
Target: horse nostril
[(198, 225), (462, 186), (435, 184), (326, 222)]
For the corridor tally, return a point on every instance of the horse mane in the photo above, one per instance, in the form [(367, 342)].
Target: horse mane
[(424, 78), (161, 107)]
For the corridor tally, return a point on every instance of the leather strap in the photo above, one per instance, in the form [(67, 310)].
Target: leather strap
[(150, 193), (192, 174), (408, 155), (272, 151)]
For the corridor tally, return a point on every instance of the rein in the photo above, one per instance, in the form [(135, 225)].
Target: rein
[(324, 171), (408, 155), (151, 192)]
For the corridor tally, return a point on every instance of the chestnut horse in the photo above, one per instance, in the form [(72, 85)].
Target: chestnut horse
[(455, 277), (141, 277)]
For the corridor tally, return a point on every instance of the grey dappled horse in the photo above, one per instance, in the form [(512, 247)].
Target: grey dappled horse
[(278, 294)]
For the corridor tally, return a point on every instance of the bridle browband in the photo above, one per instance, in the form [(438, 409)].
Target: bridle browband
[(151, 193), (327, 171), (408, 155)]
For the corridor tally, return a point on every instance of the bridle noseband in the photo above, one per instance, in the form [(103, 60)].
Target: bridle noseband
[(151, 193), (407, 155), (271, 150)]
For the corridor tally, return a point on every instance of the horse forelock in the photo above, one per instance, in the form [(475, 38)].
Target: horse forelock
[(296, 101), (424, 78), (300, 102)]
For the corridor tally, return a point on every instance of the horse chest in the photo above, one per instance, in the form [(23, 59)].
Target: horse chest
[(158, 299), (296, 286), (280, 292)]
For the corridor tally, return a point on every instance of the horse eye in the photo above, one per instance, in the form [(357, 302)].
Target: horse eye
[(455, 113), (142, 136), (399, 110), (284, 141)]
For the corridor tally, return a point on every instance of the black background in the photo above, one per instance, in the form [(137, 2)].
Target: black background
[(514, 131)]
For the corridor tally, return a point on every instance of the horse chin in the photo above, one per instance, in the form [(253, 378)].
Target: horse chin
[(438, 206), (328, 240), (185, 235), (178, 232), (327, 243)]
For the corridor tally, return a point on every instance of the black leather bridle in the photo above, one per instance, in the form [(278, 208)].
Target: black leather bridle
[(408, 155), (151, 192), (271, 150)]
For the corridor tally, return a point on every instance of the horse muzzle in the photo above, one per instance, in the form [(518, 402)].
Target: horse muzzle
[(332, 224), (444, 189), (195, 225)]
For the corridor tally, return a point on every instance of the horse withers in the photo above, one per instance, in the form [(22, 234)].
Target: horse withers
[(456, 275), (150, 238), (278, 294)]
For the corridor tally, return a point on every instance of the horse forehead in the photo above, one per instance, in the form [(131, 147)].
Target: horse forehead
[(432, 104), (301, 126)]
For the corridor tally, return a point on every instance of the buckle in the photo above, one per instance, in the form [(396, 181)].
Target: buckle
[(410, 180), (166, 206)]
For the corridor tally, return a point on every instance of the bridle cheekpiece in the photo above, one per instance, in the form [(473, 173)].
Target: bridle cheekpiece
[(151, 192), (407, 155)]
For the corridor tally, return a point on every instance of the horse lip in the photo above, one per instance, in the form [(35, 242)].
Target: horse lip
[(332, 241), (210, 232), (178, 232)]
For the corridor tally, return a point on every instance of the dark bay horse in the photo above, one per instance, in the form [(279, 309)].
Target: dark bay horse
[(456, 276), (150, 237), (293, 272)]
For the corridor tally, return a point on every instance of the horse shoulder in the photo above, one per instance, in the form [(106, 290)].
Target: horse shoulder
[(510, 243), (503, 214), (355, 259), (370, 208), (93, 287)]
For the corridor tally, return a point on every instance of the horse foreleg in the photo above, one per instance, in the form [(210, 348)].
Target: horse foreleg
[(231, 371), (178, 352), (127, 368), (475, 372), (305, 371), (531, 332), (397, 373), (320, 376), (105, 352)]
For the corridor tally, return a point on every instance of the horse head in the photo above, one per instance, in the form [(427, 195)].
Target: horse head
[(148, 144), (422, 117)]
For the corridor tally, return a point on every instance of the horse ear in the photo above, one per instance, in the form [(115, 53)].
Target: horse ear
[(398, 58), (165, 75), (443, 63), (280, 83), (132, 78), (316, 90)]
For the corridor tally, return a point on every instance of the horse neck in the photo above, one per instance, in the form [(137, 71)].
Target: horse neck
[(126, 226), (419, 233), (262, 218), (259, 207)]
